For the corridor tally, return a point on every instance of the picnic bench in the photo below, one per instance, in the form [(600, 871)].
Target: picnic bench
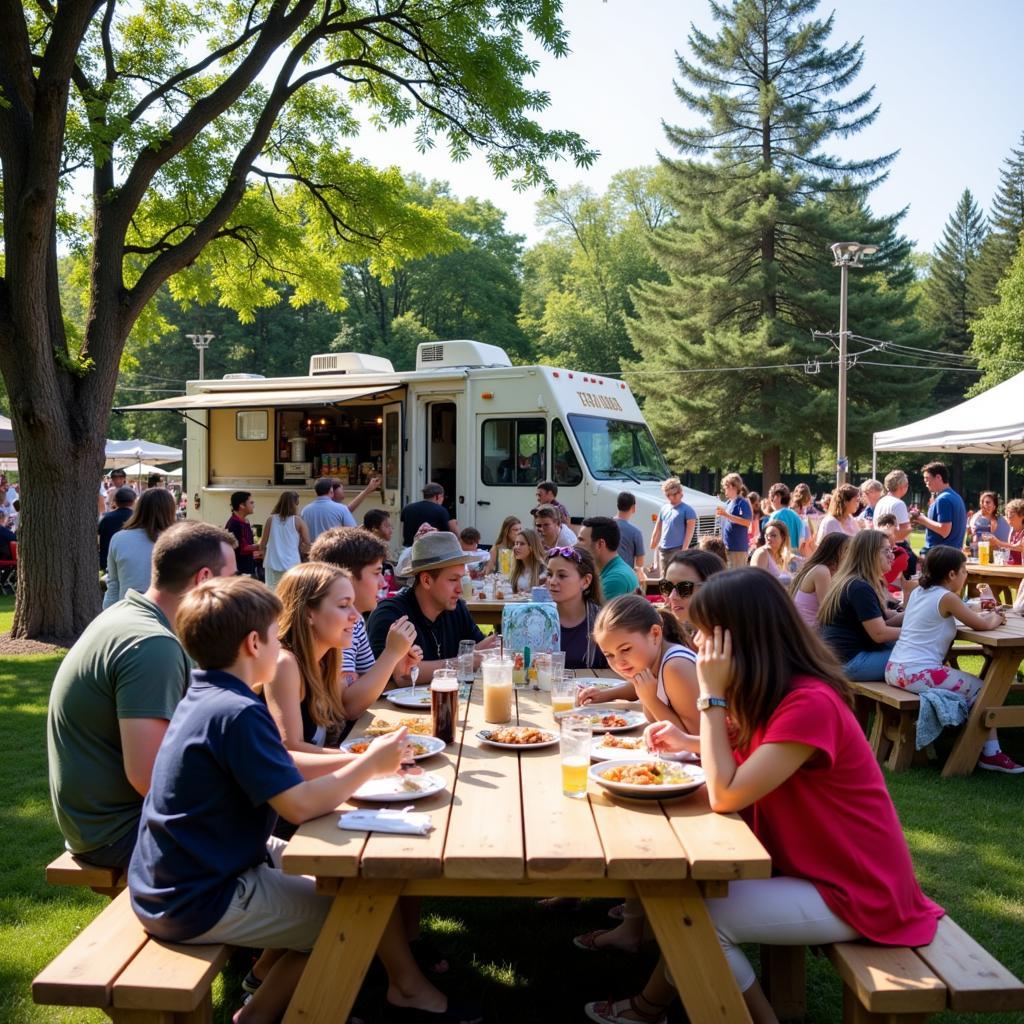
[(68, 869), (113, 965), (503, 828)]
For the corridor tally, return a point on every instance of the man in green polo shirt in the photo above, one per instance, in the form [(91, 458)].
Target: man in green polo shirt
[(600, 536), (114, 695)]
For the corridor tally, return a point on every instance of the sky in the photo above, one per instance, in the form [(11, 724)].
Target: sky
[(948, 74)]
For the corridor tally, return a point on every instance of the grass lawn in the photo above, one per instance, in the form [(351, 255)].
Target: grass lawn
[(964, 835)]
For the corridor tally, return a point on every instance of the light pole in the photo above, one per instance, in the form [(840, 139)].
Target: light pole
[(846, 254), (201, 342)]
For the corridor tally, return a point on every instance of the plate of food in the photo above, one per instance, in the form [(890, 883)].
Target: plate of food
[(586, 682), (422, 746), (517, 737), (608, 717), (393, 788), (612, 746), (417, 697), (646, 778), (381, 726)]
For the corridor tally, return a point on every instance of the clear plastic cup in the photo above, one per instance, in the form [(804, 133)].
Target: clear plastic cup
[(467, 652), (497, 678), (563, 694), (574, 751)]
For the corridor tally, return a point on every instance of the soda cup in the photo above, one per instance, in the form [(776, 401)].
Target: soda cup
[(444, 705)]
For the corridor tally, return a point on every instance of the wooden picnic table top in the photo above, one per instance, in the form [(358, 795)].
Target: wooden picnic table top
[(1013, 572), (502, 827), (1010, 634)]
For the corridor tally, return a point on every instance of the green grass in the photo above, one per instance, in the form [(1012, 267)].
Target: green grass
[(509, 954)]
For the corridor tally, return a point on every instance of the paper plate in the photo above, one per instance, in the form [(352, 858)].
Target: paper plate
[(410, 697), (635, 791), (431, 745), (394, 788)]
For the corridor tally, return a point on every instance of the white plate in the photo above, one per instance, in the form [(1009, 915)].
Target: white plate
[(484, 735), (391, 788), (599, 752), (637, 792), (634, 719), (432, 743), (404, 698), (583, 682)]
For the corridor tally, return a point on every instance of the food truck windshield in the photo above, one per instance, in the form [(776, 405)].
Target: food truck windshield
[(618, 448)]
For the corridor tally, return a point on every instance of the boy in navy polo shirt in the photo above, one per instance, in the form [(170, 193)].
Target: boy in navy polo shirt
[(205, 867)]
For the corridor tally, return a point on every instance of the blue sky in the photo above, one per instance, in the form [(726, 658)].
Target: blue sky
[(949, 76)]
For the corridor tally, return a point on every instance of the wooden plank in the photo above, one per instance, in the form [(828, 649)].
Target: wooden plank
[(84, 973), (530, 888), (693, 955), (485, 827), (975, 980), (1010, 634), (560, 834), (784, 980), (68, 869), (718, 846), (888, 979), (169, 976), (893, 696), (348, 940), (637, 838), (1004, 718), (321, 848)]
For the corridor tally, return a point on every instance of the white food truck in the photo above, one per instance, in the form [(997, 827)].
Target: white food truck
[(465, 418)]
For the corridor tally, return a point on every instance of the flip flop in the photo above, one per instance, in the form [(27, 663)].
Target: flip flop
[(588, 941), (604, 1013), (618, 912)]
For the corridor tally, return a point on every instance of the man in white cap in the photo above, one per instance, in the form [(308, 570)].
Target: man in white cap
[(433, 603)]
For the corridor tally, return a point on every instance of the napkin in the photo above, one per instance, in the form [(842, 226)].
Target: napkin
[(405, 820)]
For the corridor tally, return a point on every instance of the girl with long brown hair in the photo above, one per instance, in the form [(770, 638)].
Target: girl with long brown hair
[(778, 740), (285, 538), (810, 585), (511, 527), (131, 548), (575, 586), (529, 561)]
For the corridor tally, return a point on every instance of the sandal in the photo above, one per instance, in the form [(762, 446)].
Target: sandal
[(618, 912), (605, 1013), (559, 903), (429, 956), (588, 941)]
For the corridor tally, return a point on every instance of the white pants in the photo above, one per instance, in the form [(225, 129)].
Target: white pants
[(774, 912)]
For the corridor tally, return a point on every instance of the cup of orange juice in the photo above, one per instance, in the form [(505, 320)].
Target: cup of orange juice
[(577, 733), (563, 694)]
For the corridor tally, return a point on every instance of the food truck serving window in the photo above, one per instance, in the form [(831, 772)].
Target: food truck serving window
[(615, 448), (251, 425), (513, 452)]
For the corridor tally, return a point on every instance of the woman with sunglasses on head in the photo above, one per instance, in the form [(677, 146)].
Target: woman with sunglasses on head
[(779, 741), (575, 587), (811, 583)]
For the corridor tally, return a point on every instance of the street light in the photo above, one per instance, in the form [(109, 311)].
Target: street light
[(201, 342), (846, 254)]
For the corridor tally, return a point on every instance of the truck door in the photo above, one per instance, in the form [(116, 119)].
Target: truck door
[(391, 458), (440, 458), (512, 461)]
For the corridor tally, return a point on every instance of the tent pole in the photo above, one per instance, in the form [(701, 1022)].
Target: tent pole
[(874, 464), (1006, 476)]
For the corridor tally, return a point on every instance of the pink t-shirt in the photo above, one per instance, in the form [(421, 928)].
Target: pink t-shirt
[(833, 822)]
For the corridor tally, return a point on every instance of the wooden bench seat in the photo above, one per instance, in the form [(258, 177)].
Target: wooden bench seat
[(898, 985), (68, 869), (894, 729), (114, 965)]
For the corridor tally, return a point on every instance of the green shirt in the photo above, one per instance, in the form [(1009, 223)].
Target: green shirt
[(617, 579), (127, 664)]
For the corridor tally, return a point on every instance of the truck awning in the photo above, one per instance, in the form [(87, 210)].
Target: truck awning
[(254, 398)]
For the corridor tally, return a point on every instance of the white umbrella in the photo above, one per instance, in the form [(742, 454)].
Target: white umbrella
[(122, 454), (141, 469)]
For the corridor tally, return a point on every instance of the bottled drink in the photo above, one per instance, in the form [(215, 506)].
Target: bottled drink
[(444, 705)]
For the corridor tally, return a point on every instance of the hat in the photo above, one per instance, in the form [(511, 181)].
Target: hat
[(437, 550)]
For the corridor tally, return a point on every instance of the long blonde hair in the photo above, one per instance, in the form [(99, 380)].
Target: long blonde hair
[(535, 566), (862, 560), (507, 523), (303, 587), (784, 555)]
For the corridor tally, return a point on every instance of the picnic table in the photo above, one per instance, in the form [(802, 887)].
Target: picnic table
[(503, 828), (486, 613), (1003, 579), (1005, 649)]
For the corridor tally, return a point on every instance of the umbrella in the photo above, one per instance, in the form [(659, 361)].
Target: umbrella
[(6, 436), (123, 454), (141, 469)]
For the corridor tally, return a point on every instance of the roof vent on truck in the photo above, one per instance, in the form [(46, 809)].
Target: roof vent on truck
[(435, 355), (348, 362)]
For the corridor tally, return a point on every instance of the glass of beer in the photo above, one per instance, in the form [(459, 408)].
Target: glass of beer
[(497, 673), (575, 754), (563, 693), (505, 562), (444, 705)]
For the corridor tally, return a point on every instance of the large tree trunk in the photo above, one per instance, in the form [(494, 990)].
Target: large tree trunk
[(770, 467)]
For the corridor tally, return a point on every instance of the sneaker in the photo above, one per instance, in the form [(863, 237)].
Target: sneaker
[(1000, 762), (250, 983)]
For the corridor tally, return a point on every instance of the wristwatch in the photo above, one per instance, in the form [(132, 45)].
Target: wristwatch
[(703, 703)]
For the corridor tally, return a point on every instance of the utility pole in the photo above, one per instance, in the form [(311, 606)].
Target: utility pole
[(201, 342)]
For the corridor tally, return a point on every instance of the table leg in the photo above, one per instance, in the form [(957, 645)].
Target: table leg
[(694, 958), (347, 943), (964, 755)]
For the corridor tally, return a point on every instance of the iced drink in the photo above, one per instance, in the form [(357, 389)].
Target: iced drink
[(444, 705), (577, 733), (497, 673)]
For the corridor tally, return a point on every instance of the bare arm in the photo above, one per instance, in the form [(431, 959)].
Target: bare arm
[(284, 700), (690, 527), (372, 486), (821, 579), (950, 604), (879, 630), (304, 542), (370, 685), (140, 740), (656, 535), (942, 529), (265, 537)]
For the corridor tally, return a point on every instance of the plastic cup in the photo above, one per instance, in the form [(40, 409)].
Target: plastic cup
[(563, 693), (575, 755), (497, 673), (467, 652)]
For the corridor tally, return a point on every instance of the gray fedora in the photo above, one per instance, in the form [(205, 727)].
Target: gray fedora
[(437, 550)]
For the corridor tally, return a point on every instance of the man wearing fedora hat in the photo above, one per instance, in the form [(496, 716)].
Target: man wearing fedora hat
[(433, 603)]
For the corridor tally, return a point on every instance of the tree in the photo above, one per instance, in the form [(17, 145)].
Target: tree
[(214, 140), (949, 300), (760, 199), (999, 329), (1006, 221)]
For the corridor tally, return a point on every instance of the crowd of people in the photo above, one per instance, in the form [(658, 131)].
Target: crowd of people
[(197, 720)]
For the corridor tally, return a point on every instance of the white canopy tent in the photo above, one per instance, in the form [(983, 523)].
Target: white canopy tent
[(126, 454), (991, 423)]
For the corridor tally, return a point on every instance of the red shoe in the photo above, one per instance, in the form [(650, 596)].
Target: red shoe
[(1000, 762)]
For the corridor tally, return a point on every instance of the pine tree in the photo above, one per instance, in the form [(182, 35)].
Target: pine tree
[(1006, 222), (949, 300), (750, 276)]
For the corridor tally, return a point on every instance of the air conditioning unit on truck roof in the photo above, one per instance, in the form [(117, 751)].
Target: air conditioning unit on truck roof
[(437, 355), (348, 363)]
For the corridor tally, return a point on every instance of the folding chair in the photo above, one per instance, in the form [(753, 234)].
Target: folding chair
[(9, 570)]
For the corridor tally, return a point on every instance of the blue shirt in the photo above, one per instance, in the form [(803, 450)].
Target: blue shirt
[(793, 524), (947, 507), (617, 579), (206, 818), (734, 535), (632, 545), (673, 524), (324, 513)]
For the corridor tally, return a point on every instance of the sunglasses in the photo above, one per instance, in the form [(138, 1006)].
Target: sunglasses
[(684, 588), (571, 553)]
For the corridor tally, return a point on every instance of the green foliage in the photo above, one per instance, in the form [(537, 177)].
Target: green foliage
[(999, 329), (746, 259)]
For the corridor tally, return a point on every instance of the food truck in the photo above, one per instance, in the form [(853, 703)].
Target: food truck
[(465, 418)]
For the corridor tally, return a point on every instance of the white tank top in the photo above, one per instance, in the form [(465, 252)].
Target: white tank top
[(283, 545), (674, 651), (925, 635)]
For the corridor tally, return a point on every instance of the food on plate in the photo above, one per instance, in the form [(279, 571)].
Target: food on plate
[(650, 773), (414, 785), (608, 721), (519, 735), (623, 742), (380, 727), (418, 749)]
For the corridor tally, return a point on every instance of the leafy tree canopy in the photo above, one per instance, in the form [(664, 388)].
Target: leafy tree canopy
[(999, 329)]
